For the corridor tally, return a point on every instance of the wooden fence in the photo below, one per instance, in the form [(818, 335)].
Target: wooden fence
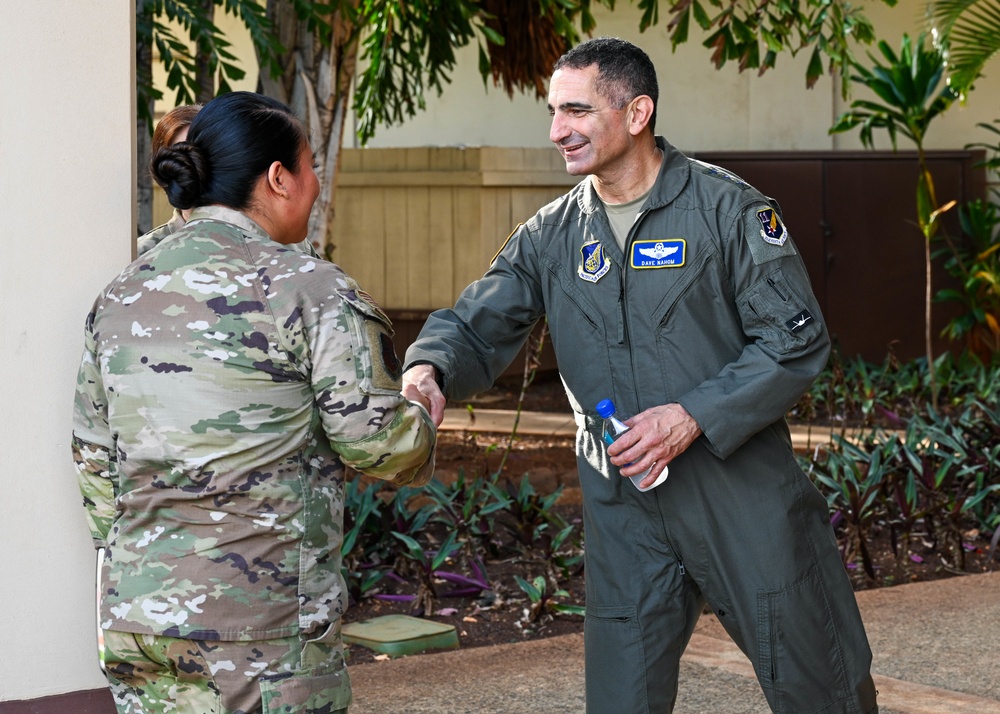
[(415, 226)]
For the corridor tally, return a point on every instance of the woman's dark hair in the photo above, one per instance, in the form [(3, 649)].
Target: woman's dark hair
[(624, 71), (234, 139)]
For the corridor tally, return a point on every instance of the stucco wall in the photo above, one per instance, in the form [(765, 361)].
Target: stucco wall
[(701, 109), (66, 197)]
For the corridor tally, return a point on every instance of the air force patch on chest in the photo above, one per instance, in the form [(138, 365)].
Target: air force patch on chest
[(772, 229), (670, 253), (594, 263)]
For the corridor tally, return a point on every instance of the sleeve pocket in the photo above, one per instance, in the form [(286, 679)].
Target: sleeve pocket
[(773, 311)]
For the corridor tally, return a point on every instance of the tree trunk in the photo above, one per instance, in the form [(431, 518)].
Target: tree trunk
[(315, 82), (928, 225), (204, 72), (928, 338), (144, 182)]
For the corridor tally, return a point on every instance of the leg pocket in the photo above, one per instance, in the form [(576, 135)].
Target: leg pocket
[(327, 693), (800, 659), (320, 684), (614, 659), (325, 651), (150, 674)]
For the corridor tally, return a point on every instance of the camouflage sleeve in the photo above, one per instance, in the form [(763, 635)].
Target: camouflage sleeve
[(356, 378), (92, 444), (93, 471)]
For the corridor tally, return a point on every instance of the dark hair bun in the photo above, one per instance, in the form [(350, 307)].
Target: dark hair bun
[(231, 143), (182, 171)]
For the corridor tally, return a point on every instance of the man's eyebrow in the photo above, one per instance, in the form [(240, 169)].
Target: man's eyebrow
[(573, 105)]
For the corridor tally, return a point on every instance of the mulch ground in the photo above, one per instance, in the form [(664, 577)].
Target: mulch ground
[(502, 615)]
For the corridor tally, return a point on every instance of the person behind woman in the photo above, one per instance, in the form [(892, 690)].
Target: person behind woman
[(171, 129), (227, 380)]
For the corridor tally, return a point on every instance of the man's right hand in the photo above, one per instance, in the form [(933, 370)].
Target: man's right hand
[(420, 385)]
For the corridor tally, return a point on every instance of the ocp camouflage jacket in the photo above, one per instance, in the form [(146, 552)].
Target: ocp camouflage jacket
[(226, 381)]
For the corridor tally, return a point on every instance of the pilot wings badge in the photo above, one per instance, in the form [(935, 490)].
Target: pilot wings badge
[(658, 251), (594, 264), (667, 253)]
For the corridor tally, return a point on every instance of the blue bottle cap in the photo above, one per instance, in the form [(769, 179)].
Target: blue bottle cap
[(605, 408)]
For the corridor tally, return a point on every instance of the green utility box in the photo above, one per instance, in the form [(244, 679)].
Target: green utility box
[(398, 635)]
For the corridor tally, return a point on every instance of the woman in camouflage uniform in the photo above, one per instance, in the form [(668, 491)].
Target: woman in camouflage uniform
[(227, 381)]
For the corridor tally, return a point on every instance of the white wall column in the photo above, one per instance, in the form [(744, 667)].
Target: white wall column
[(67, 181)]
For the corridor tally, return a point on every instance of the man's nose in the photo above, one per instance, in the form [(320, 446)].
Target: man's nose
[(558, 131)]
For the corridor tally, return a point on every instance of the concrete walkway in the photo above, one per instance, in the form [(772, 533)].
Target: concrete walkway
[(935, 647)]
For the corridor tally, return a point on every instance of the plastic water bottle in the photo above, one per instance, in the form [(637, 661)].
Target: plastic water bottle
[(612, 429)]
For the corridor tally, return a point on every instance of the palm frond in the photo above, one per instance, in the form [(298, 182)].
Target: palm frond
[(969, 30)]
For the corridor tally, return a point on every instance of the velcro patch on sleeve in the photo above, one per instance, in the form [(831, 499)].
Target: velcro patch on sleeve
[(799, 322), (377, 351), (766, 234), (387, 369)]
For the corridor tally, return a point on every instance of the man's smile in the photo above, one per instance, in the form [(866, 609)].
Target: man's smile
[(568, 149)]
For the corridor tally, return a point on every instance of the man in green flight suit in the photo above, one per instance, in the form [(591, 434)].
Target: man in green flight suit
[(673, 288)]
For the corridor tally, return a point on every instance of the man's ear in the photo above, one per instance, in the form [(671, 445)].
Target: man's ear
[(639, 114), (277, 179)]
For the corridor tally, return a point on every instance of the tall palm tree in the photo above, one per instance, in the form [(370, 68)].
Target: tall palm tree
[(969, 33)]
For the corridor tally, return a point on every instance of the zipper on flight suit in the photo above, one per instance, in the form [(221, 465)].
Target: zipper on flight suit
[(621, 308), (624, 323), (622, 332)]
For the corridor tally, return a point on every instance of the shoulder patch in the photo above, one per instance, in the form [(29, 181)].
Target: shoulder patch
[(497, 255), (370, 301), (772, 229), (766, 234)]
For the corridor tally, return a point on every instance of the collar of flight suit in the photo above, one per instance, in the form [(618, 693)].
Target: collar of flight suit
[(674, 162)]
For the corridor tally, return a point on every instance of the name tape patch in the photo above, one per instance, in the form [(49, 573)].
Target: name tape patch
[(670, 253)]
